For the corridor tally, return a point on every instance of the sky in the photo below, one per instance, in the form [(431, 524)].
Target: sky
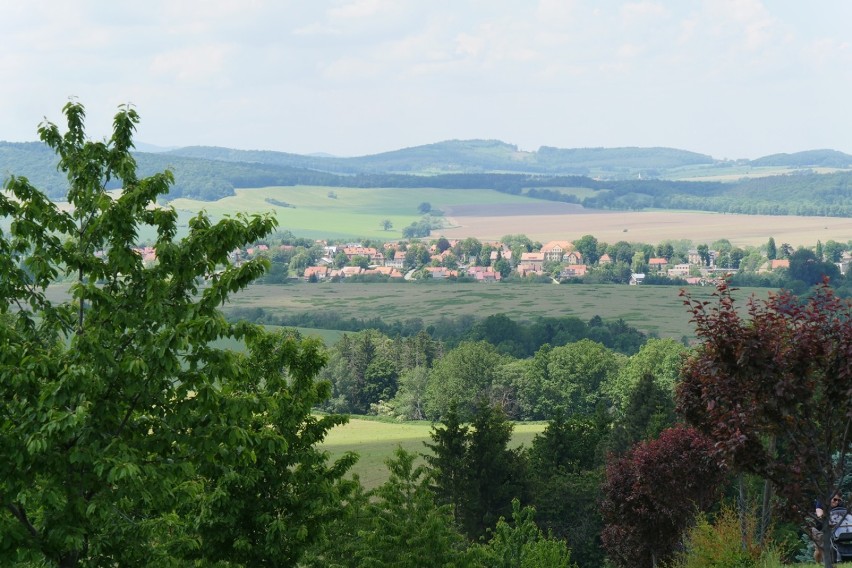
[(729, 78)]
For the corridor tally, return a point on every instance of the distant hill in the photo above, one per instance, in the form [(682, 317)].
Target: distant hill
[(468, 156), (596, 178), (807, 159)]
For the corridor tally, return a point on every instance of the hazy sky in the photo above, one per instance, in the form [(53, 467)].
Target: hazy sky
[(730, 78)]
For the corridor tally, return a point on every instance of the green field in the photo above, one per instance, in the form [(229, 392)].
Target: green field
[(375, 441), (353, 213), (652, 309)]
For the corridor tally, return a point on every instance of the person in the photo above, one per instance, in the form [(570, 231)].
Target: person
[(836, 512)]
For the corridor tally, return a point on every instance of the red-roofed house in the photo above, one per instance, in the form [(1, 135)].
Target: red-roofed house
[(320, 272), (555, 251), (533, 259)]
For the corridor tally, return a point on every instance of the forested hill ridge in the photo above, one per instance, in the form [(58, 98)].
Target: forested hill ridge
[(470, 156), (816, 182)]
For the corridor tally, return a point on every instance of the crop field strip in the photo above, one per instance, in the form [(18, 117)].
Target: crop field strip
[(657, 309), (356, 213)]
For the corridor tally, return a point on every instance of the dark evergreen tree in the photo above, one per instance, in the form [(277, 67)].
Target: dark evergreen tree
[(447, 461), (474, 469), (495, 472), (565, 478), (650, 410)]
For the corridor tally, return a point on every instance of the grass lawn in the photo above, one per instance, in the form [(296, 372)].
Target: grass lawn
[(375, 441)]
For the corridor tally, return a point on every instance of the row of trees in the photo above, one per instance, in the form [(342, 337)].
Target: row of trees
[(414, 378)]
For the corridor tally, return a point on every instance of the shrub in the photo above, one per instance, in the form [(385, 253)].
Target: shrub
[(719, 544)]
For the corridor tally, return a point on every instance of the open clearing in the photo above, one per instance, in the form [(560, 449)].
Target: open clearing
[(375, 441)]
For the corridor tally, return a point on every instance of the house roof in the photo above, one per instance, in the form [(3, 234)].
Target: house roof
[(563, 245)]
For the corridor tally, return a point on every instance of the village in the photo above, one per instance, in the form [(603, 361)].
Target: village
[(487, 262)]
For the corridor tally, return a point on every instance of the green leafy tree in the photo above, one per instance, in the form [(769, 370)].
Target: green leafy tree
[(833, 251), (474, 469), (503, 267), (704, 254), (640, 263), (340, 259), (587, 245), (424, 208), (496, 473), (622, 251), (447, 461), (442, 244), (660, 358), (409, 402), (462, 377), (565, 479), (126, 438), (387, 224), (665, 250), (521, 544), (806, 267), (575, 373)]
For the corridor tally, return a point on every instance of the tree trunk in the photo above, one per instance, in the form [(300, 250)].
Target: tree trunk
[(765, 505), (742, 507)]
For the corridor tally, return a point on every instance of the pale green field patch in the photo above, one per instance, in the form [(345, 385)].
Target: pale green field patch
[(375, 441)]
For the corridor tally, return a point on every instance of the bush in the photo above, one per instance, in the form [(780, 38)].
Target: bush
[(718, 544)]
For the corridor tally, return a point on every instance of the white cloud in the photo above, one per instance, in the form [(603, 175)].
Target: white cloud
[(282, 74)]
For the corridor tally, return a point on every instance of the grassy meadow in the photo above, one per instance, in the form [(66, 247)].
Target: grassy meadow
[(652, 309), (375, 441)]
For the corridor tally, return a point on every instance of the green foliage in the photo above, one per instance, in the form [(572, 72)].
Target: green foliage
[(565, 480), (462, 377), (406, 521), (126, 438), (474, 469), (568, 379), (521, 544), (662, 359), (718, 543), (650, 410)]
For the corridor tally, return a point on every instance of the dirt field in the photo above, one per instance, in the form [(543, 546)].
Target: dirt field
[(558, 221)]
